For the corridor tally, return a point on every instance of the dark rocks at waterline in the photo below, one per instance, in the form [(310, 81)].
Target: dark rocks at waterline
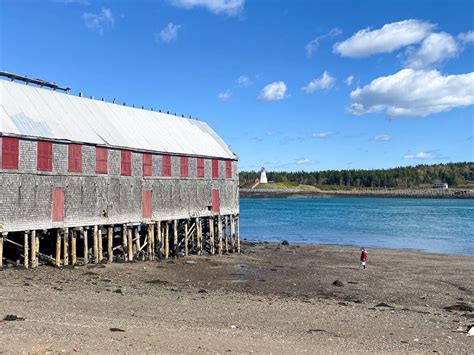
[(338, 283), (461, 307), (285, 242), (12, 317)]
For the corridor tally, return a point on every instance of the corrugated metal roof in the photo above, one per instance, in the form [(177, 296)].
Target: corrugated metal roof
[(40, 113)]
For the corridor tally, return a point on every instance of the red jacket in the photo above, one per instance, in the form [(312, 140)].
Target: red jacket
[(363, 256)]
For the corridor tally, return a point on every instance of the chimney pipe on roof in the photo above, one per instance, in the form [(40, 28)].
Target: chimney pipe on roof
[(80, 93)]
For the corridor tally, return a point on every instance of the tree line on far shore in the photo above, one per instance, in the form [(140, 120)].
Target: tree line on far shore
[(454, 174)]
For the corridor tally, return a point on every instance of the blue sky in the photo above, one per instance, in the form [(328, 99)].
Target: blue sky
[(292, 85)]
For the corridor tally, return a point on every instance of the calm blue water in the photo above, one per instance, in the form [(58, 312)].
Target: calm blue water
[(445, 226)]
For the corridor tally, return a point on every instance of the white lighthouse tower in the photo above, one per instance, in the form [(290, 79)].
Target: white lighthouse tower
[(263, 176)]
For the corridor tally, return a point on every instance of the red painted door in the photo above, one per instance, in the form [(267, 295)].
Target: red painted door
[(216, 201), (147, 211), (58, 205)]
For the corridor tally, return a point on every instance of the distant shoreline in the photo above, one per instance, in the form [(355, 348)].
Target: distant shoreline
[(409, 193)]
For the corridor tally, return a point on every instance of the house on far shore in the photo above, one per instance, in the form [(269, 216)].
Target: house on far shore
[(440, 185)]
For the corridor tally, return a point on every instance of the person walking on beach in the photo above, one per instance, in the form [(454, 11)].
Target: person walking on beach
[(363, 258)]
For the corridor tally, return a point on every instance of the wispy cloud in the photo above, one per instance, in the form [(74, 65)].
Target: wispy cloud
[(321, 135), (243, 81), (99, 21), (422, 155), (273, 92), (387, 39), (227, 7), (225, 95), (466, 37), (325, 82), (168, 34), (434, 49), (313, 45), (349, 80), (415, 93), (382, 138)]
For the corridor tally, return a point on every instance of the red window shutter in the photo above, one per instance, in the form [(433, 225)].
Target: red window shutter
[(216, 201), (126, 163), (228, 169), (184, 166), (215, 168), (147, 211), (74, 158), (147, 164), (45, 156), (166, 165), (57, 210), (200, 167), (10, 149), (101, 159)]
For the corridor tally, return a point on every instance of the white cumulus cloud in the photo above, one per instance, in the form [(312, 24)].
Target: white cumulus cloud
[(273, 92), (99, 21), (421, 155), (414, 93), (169, 33), (228, 7), (243, 80), (325, 82), (434, 49), (466, 37), (387, 39), (225, 95)]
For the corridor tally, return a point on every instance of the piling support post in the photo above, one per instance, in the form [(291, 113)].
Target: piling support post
[(110, 244), (25, 251), (219, 233), (136, 237), (124, 242), (151, 228), (66, 246), (167, 240), (33, 248), (129, 243), (2, 235), (175, 238), (95, 245), (73, 247), (99, 249), (226, 233), (211, 235), (186, 226), (238, 235), (159, 246), (199, 236), (232, 233), (84, 234), (37, 248)]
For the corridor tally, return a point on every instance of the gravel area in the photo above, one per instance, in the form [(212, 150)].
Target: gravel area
[(271, 298)]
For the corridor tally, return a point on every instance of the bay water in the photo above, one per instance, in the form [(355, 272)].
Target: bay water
[(431, 225)]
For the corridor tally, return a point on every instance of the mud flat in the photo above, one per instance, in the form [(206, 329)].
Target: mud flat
[(270, 298)]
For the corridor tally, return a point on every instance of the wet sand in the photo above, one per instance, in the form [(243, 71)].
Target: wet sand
[(271, 298)]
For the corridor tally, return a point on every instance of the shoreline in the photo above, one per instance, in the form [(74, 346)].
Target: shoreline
[(270, 298), (297, 193)]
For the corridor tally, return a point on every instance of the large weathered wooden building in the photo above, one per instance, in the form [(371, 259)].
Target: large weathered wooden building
[(89, 180)]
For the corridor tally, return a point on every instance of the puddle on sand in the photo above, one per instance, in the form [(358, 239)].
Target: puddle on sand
[(241, 267)]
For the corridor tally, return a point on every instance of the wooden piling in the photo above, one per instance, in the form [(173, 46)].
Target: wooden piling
[(73, 248), (175, 239), (33, 249), (66, 246), (99, 249), (226, 233), (2, 235), (37, 248), (110, 244), (25, 251), (129, 243), (167, 240), (148, 242), (136, 237), (152, 241), (199, 236), (211, 235), (57, 259), (159, 242), (95, 245), (232, 233), (186, 226), (238, 235), (124, 242), (219, 234), (86, 246)]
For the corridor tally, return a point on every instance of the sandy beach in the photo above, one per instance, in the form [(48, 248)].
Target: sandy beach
[(271, 298)]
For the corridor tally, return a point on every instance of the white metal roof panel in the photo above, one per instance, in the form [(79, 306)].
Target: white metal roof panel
[(40, 113)]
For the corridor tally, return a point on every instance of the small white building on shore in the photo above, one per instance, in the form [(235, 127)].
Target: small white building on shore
[(263, 176)]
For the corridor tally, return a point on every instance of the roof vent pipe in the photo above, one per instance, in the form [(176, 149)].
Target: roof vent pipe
[(91, 97), (80, 93), (113, 101)]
